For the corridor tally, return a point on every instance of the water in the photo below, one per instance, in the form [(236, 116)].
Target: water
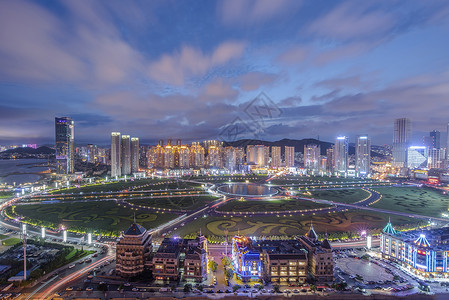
[(247, 189), (20, 170)]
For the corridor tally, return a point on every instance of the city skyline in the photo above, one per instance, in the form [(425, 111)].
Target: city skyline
[(136, 70)]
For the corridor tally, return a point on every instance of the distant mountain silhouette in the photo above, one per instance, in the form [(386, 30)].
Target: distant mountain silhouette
[(26, 150)]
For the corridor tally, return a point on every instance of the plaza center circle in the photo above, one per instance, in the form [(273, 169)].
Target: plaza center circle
[(247, 189)]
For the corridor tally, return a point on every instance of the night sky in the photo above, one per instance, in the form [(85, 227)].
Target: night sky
[(194, 69)]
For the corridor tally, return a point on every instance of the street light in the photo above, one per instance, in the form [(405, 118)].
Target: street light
[(64, 236), (43, 232)]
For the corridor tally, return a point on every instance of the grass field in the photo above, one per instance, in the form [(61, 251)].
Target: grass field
[(343, 196), (3, 236), (316, 180), (269, 205), (136, 185), (351, 221), (185, 203), (423, 201), (4, 195), (106, 216), (11, 242)]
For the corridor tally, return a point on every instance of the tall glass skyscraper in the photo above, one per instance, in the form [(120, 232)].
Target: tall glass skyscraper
[(401, 140), (341, 155), (65, 133), (126, 155), (134, 154), (362, 155)]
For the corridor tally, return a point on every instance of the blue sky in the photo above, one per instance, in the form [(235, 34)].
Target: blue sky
[(190, 69)]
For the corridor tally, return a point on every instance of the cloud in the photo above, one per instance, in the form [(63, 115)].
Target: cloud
[(237, 12), (254, 80), (218, 90), (190, 62), (351, 20), (293, 55)]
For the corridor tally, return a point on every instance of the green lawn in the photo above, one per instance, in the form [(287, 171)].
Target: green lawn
[(343, 196), (3, 236), (423, 201), (4, 195), (350, 221), (11, 242), (269, 205), (101, 216), (312, 180), (185, 203)]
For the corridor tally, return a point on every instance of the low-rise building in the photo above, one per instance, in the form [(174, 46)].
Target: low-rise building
[(166, 260), (195, 259), (246, 260)]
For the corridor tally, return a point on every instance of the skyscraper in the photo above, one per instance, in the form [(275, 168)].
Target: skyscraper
[(447, 142), (116, 150), (134, 154), (341, 155), (289, 157), (312, 158), (362, 155), (275, 157), (330, 160), (401, 141), (126, 155), (435, 139), (65, 134)]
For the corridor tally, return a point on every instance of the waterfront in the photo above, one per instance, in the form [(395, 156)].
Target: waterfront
[(21, 171)]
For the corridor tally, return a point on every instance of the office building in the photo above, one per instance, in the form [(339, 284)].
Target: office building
[(289, 157), (126, 155), (276, 157), (435, 139), (135, 157), (65, 151), (312, 158), (132, 251), (436, 158), (341, 156), (417, 157), (330, 160), (362, 155), (401, 141)]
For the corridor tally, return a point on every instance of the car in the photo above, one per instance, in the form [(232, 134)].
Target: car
[(135, 289), (228, 291), (245, 291), (71, 266), (127, 284), (70, 288), (220, 292), (89, 289)]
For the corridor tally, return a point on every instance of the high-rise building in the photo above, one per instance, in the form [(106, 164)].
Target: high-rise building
[(229, 158), (341, 155), (447, 143), (184, 157), (169, 156), (275, 157), (289, 157), (65, 152), (436, 158), (435, 139), (330, 160), (116, 155), (257, 154), (126, 155), (197, 154), (401, 141), (214, 157), (362, 155), (135, 154), (239, 156), (312, 158)]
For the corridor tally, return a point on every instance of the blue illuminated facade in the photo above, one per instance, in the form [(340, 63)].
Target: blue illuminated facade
[(424, 252), (247, 262)]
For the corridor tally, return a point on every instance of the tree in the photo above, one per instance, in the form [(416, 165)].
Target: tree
[(235, 288), (226, 261), (229, 273), (313, 288), (212, 265), (102, 287), (187, 288), (276, 288)]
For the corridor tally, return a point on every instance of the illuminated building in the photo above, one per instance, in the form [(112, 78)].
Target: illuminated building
[(169, 157), (275, 157), (330, 160), (134, 155), (116, 162), (65, 134), (435, 139), (447, 144), (214, 157), (195, 260), (239, 156), (132, 251), (91, 153), (417, 157), (258, 155), (160, 156), (320, 256), (436, 158), (197, 154), (166, 260), (424, 252), (246, 260), (126, 155), (229, 158), (362, 155), (312, 158), (184, 157), (289, 157), (401, 140), (341, 156)]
